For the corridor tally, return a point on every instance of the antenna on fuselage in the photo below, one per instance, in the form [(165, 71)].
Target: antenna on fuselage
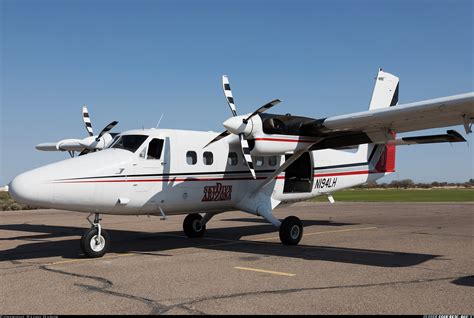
[(159, 121)]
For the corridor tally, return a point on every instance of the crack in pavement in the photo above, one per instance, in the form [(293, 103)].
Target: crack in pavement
[(158, 308), (296, 290)]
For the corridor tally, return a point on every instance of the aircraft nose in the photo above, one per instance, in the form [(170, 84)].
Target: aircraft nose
[(29, 188)]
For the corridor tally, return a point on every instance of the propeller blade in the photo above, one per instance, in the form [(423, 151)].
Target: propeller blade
[(246, 151), (106, 129), (228, 94), (87, 121), (219, 137), (264, 108), (84, 152)]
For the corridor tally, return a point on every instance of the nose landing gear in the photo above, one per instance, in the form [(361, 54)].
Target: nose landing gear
[(95, 241), (193, 225)]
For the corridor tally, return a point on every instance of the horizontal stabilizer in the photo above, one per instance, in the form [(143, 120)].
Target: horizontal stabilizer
[(450, 136)]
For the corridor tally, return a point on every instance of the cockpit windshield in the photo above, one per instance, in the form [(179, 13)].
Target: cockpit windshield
[(129, 142)]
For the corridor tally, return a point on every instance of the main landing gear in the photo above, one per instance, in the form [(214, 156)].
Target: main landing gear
[(291, 229), (95, 241)]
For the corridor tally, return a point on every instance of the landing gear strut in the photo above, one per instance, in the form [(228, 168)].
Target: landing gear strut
[(95, 241), (291, 228)]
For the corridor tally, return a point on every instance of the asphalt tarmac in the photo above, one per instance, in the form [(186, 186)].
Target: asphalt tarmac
[(354, 258)]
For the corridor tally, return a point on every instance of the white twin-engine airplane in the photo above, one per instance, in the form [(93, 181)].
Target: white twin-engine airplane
[(259, 161)]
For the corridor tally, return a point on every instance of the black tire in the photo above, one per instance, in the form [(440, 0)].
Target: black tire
[(192, 227), (89, 238), (291, 231)]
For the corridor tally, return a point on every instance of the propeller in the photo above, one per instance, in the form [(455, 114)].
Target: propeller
[(91, 143), (106, 129), (87, 121), (239, 124)]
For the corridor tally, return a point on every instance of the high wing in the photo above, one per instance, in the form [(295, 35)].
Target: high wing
[(85, 145), (380, 125), (434, 113), (271, 134), (63, 145)]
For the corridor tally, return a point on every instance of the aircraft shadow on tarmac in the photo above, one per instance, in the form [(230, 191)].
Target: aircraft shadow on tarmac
[(41, 245)]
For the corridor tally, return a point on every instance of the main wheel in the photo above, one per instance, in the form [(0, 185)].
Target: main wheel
[(291, 231), (192, 226), (94, 246)]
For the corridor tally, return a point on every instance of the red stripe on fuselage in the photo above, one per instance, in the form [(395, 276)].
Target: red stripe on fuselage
[(165, 180)]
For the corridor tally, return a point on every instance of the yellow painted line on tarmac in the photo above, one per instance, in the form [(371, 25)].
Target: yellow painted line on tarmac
[(264, 271), (90, 259), (323, 232)]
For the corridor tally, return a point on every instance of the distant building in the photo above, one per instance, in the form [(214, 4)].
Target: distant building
[(4, 188)]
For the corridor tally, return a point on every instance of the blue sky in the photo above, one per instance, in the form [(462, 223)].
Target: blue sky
[(131, 61)]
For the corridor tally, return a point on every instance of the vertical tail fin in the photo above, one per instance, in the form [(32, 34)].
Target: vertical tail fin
[(385, 94)]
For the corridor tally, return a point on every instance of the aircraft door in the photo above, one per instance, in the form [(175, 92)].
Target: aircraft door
[(148, 171), (299, 175)]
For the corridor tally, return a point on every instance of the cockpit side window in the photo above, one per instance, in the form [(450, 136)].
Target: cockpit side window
[(129, 142), (155, 148)]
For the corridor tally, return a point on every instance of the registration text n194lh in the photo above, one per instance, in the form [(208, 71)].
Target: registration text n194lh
[(259, 161)]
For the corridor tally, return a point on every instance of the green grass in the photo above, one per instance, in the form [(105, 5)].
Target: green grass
[(401, 195)]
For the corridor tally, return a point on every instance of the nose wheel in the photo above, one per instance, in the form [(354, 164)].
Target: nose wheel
[(95, 241), (194, 226)]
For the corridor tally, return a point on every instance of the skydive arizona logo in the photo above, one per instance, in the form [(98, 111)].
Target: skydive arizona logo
[(218, 192)]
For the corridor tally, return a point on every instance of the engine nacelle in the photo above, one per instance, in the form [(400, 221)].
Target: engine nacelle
[(275, 135)]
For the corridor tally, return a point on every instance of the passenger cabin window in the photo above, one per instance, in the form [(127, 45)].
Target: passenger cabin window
[(208, 158), (232, 160), (129, 142), (272, 161), (155, 148), (191, 157), (259, 161)]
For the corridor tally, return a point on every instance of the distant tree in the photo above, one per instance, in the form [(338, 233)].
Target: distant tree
[(372, 185), (423, 185), (405, 184)]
